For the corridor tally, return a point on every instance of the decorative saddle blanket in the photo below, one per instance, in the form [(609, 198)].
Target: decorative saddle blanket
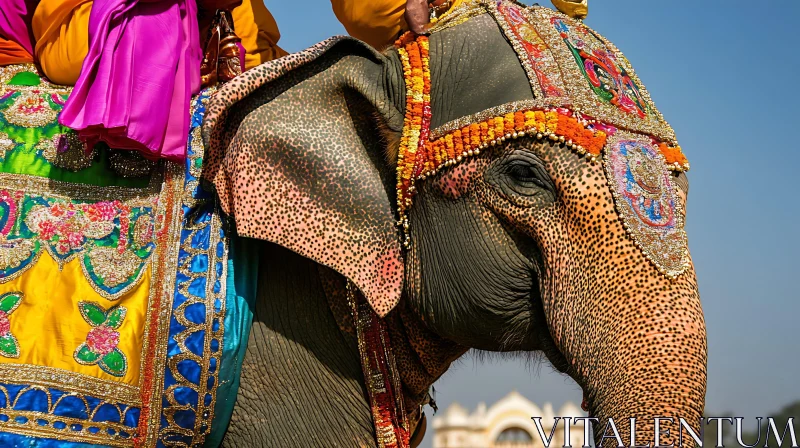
[(117, 296)]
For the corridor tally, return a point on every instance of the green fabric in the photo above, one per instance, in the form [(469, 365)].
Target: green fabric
[(25, 79), (27, 161), (23, 150)]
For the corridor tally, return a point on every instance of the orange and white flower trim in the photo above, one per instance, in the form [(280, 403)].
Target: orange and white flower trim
[(413, 51), (419, 157)]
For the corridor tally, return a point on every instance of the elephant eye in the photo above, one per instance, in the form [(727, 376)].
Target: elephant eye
[(526, 175), (520, 176)]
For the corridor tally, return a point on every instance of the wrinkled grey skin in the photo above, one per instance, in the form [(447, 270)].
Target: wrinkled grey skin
[(301, 382), (480, 273)]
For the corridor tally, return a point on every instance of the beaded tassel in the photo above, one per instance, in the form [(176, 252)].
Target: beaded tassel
[(380, 373)]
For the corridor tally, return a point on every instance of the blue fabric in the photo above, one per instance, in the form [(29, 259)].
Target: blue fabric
[(216, 270), (28, 399), (17, 441), (239, 305), (211, 315), (36, 400), (187, 398)]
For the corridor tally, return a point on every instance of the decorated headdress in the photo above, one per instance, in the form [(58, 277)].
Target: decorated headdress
[(586, 96)]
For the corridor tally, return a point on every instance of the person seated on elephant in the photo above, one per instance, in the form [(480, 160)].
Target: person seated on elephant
[(55, 34), (121, 96), (58, 35), (380, 22), (129, 95)]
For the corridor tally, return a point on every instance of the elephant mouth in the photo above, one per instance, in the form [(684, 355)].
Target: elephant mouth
[(556, 358), (560, 363)]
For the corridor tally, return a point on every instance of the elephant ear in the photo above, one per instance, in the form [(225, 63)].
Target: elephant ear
[(296, 156)]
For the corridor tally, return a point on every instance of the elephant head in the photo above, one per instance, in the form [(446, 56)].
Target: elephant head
[(529, 242)]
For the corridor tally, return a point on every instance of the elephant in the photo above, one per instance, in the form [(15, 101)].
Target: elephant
[(519, 248)]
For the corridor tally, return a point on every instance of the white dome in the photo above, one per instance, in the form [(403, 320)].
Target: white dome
[(456, 427), (454, 416)]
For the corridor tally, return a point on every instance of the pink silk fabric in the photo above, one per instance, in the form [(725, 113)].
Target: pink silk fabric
[(136, 82), (15, 19)]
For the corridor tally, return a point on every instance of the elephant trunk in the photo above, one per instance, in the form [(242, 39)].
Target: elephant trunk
[(668, 385), (647, 360)]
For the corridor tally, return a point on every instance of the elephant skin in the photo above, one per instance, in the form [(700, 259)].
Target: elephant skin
[(518, 249)]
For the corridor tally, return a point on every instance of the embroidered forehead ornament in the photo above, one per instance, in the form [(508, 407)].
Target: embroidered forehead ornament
[(586, 97)]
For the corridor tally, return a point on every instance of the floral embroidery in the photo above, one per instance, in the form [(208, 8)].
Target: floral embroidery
[(66, 226), (29, 108), (102, 340), (534, 54), (113, 239), (103, 409), (9, 347)]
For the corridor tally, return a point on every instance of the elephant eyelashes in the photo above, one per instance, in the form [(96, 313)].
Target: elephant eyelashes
[(525, 175), (519, 176)]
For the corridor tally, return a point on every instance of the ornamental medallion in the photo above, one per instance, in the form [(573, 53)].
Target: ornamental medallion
[(647, 202), (605, 74)]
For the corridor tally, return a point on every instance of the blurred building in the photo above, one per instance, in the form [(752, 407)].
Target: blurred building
[(505, 424)]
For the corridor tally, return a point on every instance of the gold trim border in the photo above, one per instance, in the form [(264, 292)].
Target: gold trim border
[(578, 96), (51, 377), (204, 414), (163, 286), (43, 186), (32, 429)]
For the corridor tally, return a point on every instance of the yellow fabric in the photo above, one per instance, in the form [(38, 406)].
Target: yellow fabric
[(577, 9), (376, 22), (61, 31), (49, 326), (259, 32)]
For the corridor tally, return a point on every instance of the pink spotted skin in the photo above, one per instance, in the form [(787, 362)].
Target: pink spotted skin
[(455, 182), (328, 204)]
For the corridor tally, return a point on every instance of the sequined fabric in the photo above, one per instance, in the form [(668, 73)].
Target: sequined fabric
[(586, 97), (113, 289)]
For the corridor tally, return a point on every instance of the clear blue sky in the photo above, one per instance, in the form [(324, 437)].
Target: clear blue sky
[(724, 73)]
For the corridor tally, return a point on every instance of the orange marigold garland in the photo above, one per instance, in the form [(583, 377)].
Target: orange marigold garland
[(420, 157), (414, 154)]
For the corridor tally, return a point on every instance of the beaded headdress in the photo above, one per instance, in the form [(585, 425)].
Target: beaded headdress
[(586, 96)]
